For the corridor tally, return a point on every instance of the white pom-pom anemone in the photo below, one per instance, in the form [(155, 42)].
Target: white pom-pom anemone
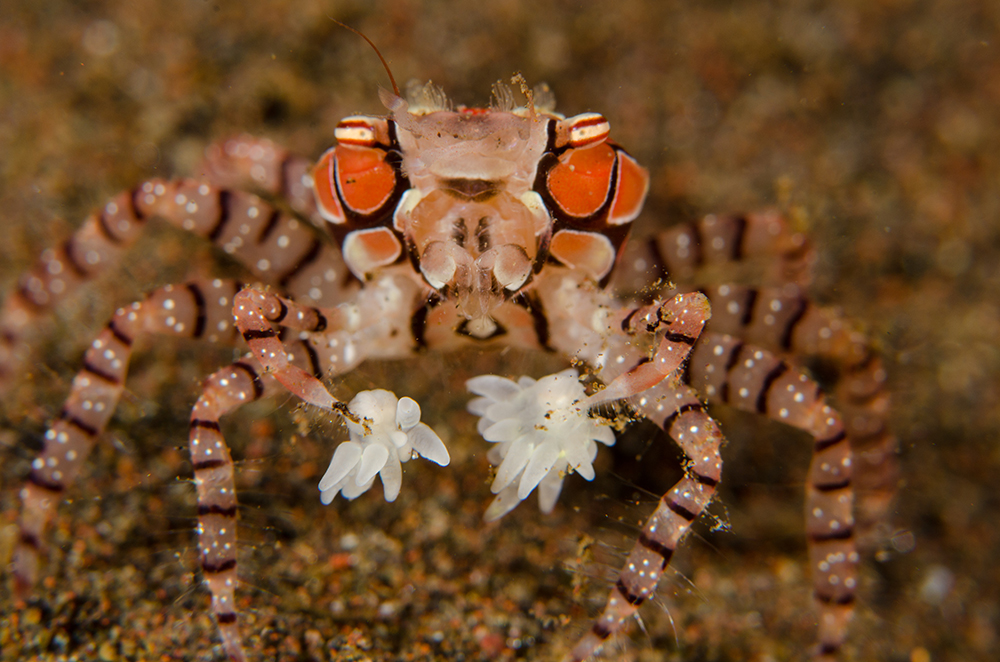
[(392, 434), (542, 430)]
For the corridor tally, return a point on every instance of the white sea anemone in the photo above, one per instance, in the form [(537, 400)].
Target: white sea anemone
[(543, 431), (394, 436)]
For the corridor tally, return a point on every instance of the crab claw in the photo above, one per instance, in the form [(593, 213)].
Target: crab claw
[(389, 434)]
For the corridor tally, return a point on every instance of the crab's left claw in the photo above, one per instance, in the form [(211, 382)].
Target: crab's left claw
[(389, 433)]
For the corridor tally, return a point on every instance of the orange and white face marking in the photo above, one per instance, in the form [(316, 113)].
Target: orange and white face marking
[(358, 185), (596, 190), (478, 199)]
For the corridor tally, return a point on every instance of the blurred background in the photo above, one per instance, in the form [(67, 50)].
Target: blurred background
[(874, 122)]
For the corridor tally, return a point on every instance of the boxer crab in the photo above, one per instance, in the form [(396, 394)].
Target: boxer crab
[(498, 227)]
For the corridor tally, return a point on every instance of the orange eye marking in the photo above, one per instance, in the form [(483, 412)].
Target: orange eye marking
[(633, 184), (582, 179), (589, 251), (326, 190), (366, 181)]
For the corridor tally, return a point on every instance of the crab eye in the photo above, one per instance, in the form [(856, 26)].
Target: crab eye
[(357, 131), (582, 130)]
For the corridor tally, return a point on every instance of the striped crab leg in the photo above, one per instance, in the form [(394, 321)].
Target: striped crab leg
[(633, 348), (275, 247), (682, 251), (256, 314), (95, 246), (328, 348), (248, 162), (198, 309), (676, 408), (732, 372), (223, 392), (784, 321), (762, 383), (676, 325), (214, 478)]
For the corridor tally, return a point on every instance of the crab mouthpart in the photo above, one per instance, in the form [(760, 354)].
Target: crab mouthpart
[(478, 284)]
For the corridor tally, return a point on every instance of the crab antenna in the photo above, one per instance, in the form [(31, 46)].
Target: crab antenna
[(385, 64)]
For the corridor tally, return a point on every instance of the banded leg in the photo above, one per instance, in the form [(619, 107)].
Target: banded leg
[(249, 162), (377, 324), (784, 321), (336, 341), (632, 348), (677, 409), (255, 312), (864, 402), (199, 309), (222, 393), (275, 247), (676, 323), (732, 372), (95, 246), (764, 240)]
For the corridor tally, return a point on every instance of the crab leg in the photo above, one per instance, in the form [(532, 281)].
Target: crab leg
[(718, 241), (275, 247), (330, 348), (757, 381), (246, 161), (752, 379), (223, 392), (677, 409), (376, 324), (198, 309), (615, 339), (680, 320), (255, 313), (95, 246), (782, 320)]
